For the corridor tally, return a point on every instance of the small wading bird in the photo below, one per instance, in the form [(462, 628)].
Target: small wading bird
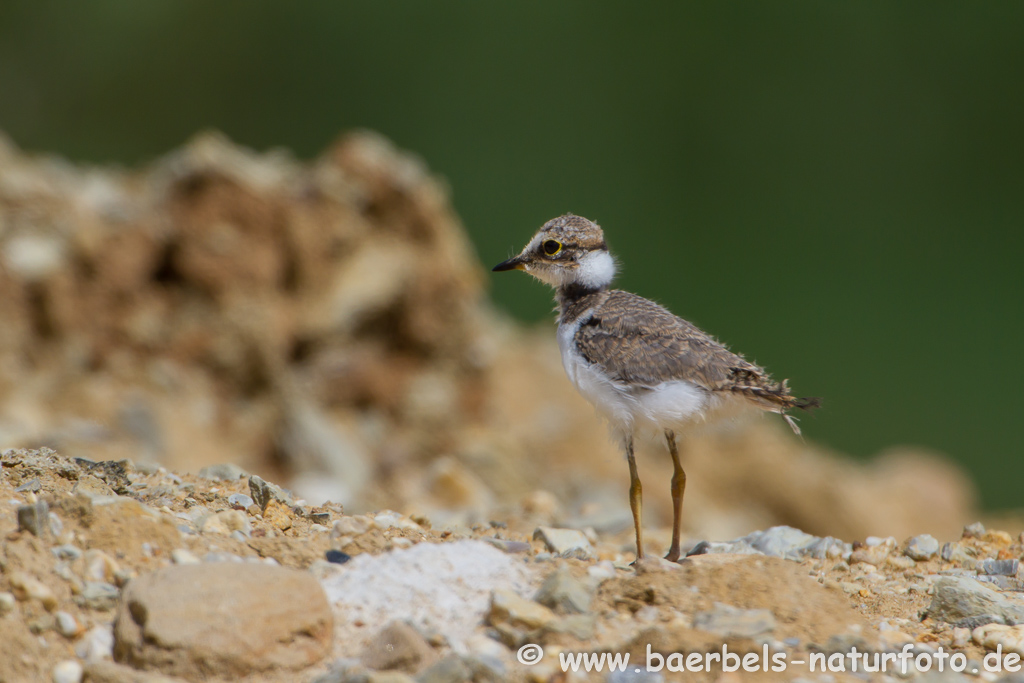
[(641, 366)]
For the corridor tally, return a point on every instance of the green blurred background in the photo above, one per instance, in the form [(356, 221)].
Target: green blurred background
[(835, 189)]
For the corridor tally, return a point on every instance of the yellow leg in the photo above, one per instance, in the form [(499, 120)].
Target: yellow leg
[(678, 487), (635, 498)]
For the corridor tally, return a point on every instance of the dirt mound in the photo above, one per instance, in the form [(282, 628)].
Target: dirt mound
[(325, 324)]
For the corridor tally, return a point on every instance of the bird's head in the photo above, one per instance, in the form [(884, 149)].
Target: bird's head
[(567, 251)]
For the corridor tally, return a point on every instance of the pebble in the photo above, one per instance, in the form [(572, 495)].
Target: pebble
[(68, 671), (564, 593), (263, 492), (96, 644), (397, 646), (778, 541), (66, 552), (100, 567), (225, 522), (991, 636), (508, 608), (921, 548), (98, 595), (731, 622), (227, 471), (67, 626), (183, 556), (351, 526), (509, 546), (874, 551), (389, 519), (565, 542), (26, 587), (976, 530), (961, 637), (999, 567), (34, 518), (32, 485), (7, 602), (240, 501), (337, 557)]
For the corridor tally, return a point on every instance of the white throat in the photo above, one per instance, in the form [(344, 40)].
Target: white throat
[(596, 270)]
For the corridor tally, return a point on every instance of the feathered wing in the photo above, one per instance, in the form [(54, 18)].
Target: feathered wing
[(636, 341)]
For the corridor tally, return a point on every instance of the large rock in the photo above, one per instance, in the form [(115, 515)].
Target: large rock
[(963, 601), (225, 620)]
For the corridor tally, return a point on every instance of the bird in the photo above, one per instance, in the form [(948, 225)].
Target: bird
[(642, 367)]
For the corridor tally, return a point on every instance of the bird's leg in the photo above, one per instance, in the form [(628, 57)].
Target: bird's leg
[(678, 487), (635, 497)]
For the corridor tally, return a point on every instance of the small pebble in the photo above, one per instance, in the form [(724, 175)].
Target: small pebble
[(7, 602), (565, 542), (976, 530), (183, 556), (239, 501), (351, 526), (999, 567), (66, 552), (96, 644), (337, 557), (68, 671), (67, 626), (26, 587), (921, 548), (34, 518), (98, 595), (32, 485)]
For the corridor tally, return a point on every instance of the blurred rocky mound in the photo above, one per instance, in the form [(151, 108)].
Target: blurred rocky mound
[(326, 324)]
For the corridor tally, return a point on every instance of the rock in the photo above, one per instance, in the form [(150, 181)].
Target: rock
[(30, 486), (278, 515), (991, 636), (67, 625), (183, 556), (263, 492), (508, 608), (34, 518), (450, 669), (958, 600), (565, 542), (564, 593), (438, 588), (105, 671), (96, 645), (958, 553), (922, 548), (730, 622), (68, 671), (239, 501), (389, 519), (397, 646), (873, 551), (337, 557), (66, 552), (976, 530), (225, 619), (98, 595), (7, 602), (91, 486), (227, 471), (351, 526), (100, 567), (961, 638), (780, 541), (225, 522), (998, 567), (26, 587)]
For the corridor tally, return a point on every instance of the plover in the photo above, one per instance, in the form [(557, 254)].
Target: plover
[(641, 366)]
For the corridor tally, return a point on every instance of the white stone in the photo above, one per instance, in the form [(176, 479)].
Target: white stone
[(68, 671)]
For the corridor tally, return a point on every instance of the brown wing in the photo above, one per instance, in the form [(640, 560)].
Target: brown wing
[(639, 342)]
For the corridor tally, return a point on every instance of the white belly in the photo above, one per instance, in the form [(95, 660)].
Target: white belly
[(668, 405)]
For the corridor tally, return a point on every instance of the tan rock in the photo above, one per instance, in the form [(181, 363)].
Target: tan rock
[(26, 587), (509, 608), (222, 619), (398, 646), (278, 515)]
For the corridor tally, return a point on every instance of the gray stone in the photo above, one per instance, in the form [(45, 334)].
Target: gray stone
[(998, 567), (239, 501), (780, 541), (450, 669), (34, 518), (565, 542), (921, 548), (68, 671), (66, 552), (227, 471), (826, 548), (976, 530), (67, 626), (263, 492), (958, 599), (509, 546), (564, 593), (98, 595), (731, 622), (32, 485)]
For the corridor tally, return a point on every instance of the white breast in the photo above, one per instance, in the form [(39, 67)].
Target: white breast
[(666, 405)]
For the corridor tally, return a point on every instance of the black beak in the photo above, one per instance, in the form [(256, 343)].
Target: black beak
[(514, 263)]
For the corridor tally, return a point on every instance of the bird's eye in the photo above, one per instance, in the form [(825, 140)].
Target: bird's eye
[(551, 247)]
